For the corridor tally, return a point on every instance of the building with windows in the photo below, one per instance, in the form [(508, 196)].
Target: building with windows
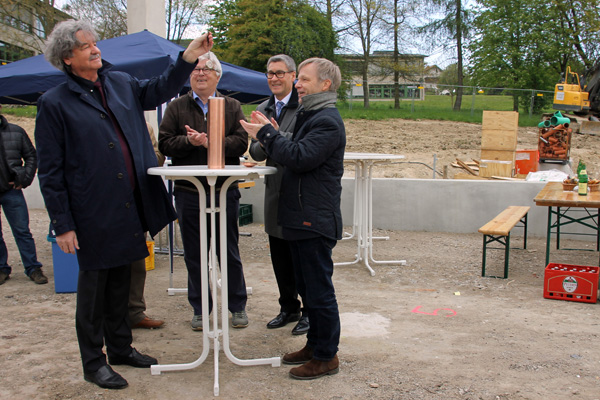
[(414, 74), (24, 26)]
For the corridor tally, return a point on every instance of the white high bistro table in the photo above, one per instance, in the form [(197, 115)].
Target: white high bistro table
[(362, 226), (233, 173)]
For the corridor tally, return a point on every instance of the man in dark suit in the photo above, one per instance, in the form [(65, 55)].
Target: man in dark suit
[(94, 150), (281, 108)]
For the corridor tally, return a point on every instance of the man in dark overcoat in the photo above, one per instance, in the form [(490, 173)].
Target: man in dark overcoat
[(309, 207), (94, 150), (281, 108)]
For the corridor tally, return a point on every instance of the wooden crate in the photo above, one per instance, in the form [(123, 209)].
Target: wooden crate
[(489, 168), (499, 130), (498, 155)]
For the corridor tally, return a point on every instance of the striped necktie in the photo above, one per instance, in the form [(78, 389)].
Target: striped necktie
[(278, 108)]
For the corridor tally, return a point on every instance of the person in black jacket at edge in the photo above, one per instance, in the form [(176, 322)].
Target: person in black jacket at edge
[(309, 207), (18, 163)]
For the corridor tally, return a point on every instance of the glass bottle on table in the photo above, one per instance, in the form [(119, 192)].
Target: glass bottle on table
[(583, 183), (580, 167)]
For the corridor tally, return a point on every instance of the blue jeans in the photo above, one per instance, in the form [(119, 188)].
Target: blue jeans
[(313, 267), (15, 209)]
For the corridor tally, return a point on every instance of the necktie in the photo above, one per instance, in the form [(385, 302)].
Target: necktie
[(278, 108)]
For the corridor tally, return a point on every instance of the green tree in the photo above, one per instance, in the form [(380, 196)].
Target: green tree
[(181, 14), (248, 32), (455, 25), (367, 28), (578, 24), (449, 76), (394, 21), (512, 48)]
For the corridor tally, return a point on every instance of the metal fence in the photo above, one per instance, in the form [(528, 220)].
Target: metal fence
[(416, 93)]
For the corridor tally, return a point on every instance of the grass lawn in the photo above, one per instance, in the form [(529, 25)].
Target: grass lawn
[(433, 107)]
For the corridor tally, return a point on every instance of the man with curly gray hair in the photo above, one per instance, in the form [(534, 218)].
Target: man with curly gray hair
[(94, 150)]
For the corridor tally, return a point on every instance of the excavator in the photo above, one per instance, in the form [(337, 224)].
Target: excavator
[(579, 99)]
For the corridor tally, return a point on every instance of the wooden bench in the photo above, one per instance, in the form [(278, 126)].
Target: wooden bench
[(245, 184), (498, 230)]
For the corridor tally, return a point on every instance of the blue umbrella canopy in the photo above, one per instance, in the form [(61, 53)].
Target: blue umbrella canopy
[(141, 54)]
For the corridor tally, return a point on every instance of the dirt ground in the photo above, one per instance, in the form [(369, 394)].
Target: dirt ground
[(419, 141), (430, 329)]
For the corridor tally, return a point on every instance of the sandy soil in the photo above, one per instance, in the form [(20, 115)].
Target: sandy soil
[(431, 329), (420, 141)]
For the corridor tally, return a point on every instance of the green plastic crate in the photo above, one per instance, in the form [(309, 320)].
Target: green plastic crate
[(245, 217)]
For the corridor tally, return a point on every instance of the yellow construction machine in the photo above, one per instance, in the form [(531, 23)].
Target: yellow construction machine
[(581, 97)]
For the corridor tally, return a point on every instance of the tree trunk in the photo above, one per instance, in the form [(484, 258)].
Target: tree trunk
[(459, 89), (396, 66), (365, 84)]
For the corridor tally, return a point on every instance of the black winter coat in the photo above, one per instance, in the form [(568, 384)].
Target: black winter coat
[(311, 187), (18, 160)]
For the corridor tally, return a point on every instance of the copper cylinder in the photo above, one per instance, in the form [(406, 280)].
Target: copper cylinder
[(216, 133)]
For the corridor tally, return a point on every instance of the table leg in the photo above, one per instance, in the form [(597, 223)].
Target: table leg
[(358, 216), (355, 206), (363, 218), (548, 234), (214, 280), (171, 233), (215, 333), (157, 369), (369, 210), (558, 228), (597, 231), (274, 361)]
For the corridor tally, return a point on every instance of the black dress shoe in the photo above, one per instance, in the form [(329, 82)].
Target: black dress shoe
[(106, 378), (283, 319), (134, 359), (302, 326)]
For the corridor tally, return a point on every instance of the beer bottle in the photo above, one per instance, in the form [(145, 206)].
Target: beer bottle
[(583, 183)]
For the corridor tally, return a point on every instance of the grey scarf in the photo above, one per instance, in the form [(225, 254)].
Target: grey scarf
[(317, 101)]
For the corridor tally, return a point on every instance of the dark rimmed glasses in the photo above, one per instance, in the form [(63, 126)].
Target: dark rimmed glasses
[(278, 74), (205, 70)]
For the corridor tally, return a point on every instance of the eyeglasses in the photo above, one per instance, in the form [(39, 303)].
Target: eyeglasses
[(204, 70), (278, 74)]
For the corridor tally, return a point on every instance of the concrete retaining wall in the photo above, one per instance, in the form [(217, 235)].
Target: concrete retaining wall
[(434, 205)]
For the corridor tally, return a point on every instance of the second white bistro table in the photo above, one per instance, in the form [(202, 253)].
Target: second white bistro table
[(191, 174), (362, 225)]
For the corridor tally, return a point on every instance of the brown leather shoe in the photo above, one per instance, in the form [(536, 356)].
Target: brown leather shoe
[(298, 357), (148, 323), (315, 369)]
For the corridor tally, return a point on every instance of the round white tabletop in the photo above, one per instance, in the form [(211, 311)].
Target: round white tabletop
[(203, 170), (371, 156)]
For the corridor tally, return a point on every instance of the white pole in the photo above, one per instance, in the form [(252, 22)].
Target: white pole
[(150, 15)]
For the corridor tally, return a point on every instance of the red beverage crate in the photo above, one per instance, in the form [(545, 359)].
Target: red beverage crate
[(571, 282)]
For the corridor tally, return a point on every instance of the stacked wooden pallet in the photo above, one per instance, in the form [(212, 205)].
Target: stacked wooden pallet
[(499, 131)]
